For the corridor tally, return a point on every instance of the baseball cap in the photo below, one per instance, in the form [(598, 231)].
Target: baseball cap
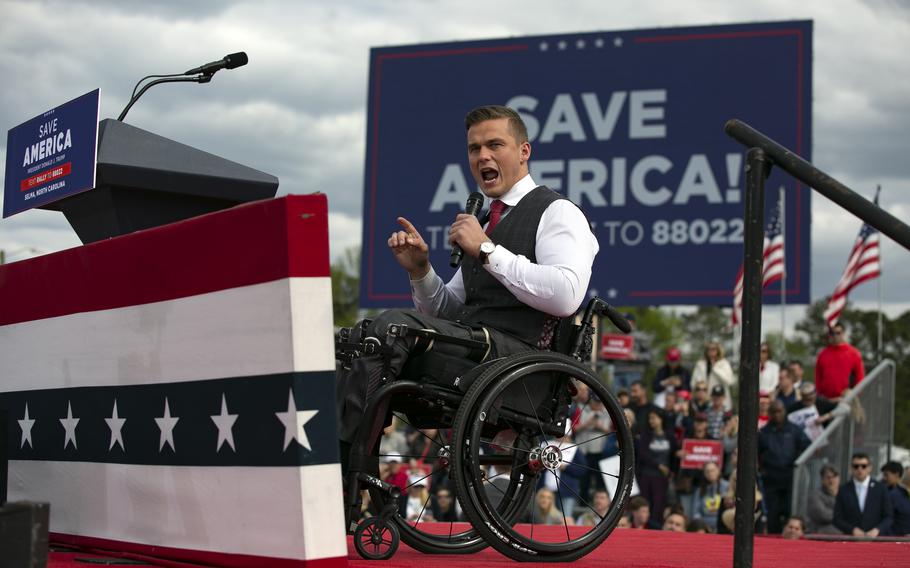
[(807, 388), (391, 457), (684, 394), (717, 390), (673, 354), (417, 479)]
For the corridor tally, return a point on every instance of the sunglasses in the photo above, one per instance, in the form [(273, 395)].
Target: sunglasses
[(860, 465), (702, 390)]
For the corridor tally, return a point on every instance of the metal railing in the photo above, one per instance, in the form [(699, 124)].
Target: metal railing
[(764, 153), (864, 422)]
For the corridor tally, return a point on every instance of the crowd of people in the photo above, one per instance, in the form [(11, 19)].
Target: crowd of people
[(680, 406)]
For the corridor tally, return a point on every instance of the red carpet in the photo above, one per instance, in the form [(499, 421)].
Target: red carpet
[(651, 549), (659, 549)]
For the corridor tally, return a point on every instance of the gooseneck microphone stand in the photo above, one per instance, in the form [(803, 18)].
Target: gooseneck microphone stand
[(201, 78)]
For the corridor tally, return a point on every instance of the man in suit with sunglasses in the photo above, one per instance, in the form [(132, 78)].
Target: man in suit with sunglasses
[(863, 507)]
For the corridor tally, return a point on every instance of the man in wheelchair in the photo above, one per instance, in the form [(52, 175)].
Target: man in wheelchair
[(527, 265)]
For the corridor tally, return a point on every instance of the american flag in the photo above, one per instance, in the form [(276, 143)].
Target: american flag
[(772, 261), (864, 264)]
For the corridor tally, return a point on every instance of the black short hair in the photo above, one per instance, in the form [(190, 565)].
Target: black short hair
[(894, 467), (860, 456)]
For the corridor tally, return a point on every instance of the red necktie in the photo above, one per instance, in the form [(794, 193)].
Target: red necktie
[(496, 209)]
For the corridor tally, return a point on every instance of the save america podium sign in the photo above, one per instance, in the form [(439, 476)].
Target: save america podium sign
[(52, 156), (627, 124)]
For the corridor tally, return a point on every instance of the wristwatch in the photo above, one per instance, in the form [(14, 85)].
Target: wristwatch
[(486, 248)]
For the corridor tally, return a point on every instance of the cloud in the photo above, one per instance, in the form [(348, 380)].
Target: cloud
[(298, 110)]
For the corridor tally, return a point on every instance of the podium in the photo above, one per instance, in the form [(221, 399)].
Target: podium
[(144, 180), (171, 390)]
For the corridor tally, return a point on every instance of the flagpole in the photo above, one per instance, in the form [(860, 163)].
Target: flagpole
[(878, 189), (783, 279)]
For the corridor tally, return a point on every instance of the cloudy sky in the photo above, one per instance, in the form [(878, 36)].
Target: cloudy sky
[(298, 110)]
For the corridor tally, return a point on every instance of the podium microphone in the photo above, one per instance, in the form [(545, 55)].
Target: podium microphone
[(201, 74), (473, 207), (231, 61)]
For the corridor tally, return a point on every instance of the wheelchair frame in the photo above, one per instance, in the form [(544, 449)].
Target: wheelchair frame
[(378, 537)]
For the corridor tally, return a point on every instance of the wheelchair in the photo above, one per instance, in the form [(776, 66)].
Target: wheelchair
[(495, 429)]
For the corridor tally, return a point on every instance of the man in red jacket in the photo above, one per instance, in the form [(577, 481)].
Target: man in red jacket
[(839, 366)]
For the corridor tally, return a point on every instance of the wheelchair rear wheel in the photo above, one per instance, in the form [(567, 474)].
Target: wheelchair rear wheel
[(520, 407)]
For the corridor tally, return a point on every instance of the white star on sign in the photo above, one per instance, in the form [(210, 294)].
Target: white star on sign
[(611, 293), (580, 44), (294, 421), (561, 45), (599, 42), (69, 424), (26, 425), (544, 46), (617, 42), (115, 423), (225, 423), (166, 424)]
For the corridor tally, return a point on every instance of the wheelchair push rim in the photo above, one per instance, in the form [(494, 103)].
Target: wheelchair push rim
[(486, 409)]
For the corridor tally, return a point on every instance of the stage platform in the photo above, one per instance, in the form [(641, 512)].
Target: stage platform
[(660, 549), (639, 549)]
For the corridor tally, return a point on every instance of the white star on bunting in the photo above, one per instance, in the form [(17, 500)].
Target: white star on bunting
[(225, 424), (115, 423), (69, 424), (294, 421), (26, 425), (166, 424)]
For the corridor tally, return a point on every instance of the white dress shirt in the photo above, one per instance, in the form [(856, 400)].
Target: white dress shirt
[(768, 377), (555, 285), (862, 490)]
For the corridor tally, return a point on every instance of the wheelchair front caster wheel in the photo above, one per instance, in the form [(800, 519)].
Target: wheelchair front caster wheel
[(374, 540)]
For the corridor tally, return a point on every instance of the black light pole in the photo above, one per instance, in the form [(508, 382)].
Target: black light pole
[(757, 169)]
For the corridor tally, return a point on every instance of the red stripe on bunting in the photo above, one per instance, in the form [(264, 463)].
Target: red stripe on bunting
[(248, 244)]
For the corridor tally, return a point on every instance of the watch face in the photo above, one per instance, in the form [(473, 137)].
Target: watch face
[(487, 247)]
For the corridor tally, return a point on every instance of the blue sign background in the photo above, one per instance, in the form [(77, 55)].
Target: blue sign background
[(628, 124), (57, 170)]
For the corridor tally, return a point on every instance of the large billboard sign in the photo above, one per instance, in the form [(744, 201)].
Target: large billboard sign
[(627, 124)]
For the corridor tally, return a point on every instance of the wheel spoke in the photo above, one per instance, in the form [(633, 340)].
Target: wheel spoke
[(613, 433), (578, 419), (534, 408), (503, 446), (589, 468), (422, 509), (421, 432), (559, 494), (582, 499)]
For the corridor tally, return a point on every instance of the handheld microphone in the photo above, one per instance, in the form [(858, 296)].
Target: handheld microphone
[(228, 62), (473, 207)]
